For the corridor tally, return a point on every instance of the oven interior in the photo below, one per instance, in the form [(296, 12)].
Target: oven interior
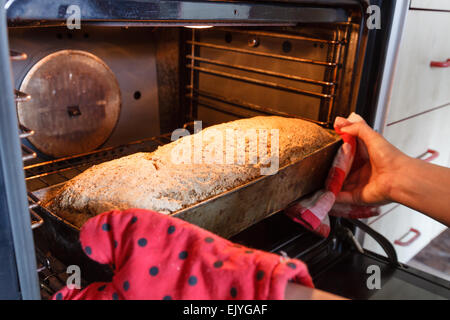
[(168, 77)]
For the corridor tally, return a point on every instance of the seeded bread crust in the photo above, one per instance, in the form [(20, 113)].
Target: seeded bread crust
[(156, 181)]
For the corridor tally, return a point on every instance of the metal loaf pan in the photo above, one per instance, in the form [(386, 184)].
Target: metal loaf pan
[(226, 214), (237, 209)]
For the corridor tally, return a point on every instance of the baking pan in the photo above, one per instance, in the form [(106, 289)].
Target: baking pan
[(237, 209), (226, 214)]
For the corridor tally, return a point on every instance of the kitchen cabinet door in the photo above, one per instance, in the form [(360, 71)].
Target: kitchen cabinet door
[(430, 4), (429, 131), (417, 85), (408, 230)]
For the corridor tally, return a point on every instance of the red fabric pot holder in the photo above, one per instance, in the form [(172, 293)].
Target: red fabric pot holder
[(313, 213), (155, 256)]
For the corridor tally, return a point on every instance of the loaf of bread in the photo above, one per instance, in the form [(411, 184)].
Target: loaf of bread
[(190, 169)]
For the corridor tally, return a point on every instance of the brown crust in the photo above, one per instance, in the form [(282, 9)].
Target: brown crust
[(153, 181)]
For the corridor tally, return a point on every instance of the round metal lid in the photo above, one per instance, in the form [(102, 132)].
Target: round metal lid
[(75, 103)]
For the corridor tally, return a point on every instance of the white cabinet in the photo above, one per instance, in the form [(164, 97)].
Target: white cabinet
[(408, 230), (430, 4), (418, 86), (418, 120), (415, 136), (428, 131)]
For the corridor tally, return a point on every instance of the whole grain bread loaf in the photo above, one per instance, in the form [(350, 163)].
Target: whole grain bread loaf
[(190, 169)]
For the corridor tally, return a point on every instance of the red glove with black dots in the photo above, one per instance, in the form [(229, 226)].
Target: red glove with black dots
[(155, 256)]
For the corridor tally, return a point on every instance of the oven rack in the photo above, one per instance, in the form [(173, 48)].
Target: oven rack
[(51, 271), (36, 220), (262, 76), (243, 105), (27, 153), (20, 96), (17, 56), (46, 173), (52, 274)]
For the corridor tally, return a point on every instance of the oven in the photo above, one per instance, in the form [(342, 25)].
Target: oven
[(155, 66)]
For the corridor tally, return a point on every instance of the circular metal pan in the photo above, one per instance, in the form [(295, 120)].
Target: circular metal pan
[(75, 103)]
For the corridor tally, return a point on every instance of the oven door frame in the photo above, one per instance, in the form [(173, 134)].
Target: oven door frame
[(18, 276)]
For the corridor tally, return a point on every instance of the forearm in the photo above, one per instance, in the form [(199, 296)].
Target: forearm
[(423, 187), (299, 292)]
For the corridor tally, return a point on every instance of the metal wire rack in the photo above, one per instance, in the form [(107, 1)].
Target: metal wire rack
[(228, 63), (44, 173), (27, 153), (52, 274), (47, 173), (51, 271)]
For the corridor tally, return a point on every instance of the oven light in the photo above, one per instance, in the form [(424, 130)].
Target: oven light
[(198, 27)]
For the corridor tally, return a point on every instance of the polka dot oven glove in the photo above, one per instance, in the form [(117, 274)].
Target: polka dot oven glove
[(155, 256)]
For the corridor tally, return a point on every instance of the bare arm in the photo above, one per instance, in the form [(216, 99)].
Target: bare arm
[(424, 187), (299, 292), (388, 175)]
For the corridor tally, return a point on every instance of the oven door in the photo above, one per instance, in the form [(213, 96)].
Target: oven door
[(338, 264), (354, 275)]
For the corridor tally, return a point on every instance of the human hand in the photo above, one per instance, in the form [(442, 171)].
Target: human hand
[(375, 166)]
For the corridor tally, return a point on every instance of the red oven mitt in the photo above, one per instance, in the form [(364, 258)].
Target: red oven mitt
[(155, 256), (313, 213)]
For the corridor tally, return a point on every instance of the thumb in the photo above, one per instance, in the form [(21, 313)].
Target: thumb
[(360, 130), (341, 122), (354, 117), (347, 197)]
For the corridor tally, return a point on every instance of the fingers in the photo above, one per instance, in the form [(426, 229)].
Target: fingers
[(345, 197), (355, 118), (355, 126), (340, 122), (360, 130)]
